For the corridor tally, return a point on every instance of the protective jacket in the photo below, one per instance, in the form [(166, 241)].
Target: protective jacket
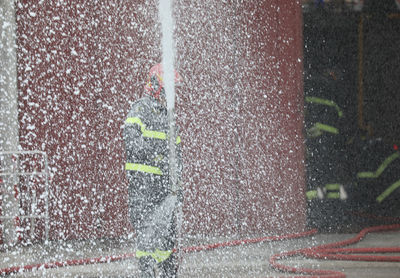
[(151, 204), (146, 138), (326, 151)]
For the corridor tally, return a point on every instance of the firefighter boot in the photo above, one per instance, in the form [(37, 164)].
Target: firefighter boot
[(169, 267), (146, 267)]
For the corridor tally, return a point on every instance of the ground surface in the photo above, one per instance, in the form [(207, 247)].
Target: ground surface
[(249, 260)]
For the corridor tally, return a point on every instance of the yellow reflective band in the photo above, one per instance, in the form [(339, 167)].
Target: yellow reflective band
[(327, 102), (149, 133), (154, 134), (333, 195), (366, 175), (140, 254), (327, 128), (381, 167), (145, 132), (318, 129), (332, 186), (143, 168), (388, 191), (314, 132), (312, 194), (136, 120), (161, 256), (158, 255)]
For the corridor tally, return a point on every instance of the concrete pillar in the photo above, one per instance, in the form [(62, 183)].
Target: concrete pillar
[(8, 118)]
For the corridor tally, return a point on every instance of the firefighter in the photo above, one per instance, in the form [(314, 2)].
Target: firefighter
[(152, 204), (377, 164), (328, 176)]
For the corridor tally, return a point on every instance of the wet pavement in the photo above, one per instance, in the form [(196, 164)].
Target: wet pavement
[(250, 260)]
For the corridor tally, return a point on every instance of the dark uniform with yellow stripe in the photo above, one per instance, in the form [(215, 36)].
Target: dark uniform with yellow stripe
[(377, 166), (328, 176), (151, 203)]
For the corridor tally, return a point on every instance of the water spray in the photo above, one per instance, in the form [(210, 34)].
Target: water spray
[(168, 53), (168, 58), (165, 14)]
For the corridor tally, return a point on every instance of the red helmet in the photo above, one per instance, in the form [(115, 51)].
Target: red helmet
[(155, 84)]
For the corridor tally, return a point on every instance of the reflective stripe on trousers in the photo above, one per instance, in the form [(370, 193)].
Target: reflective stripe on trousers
[(143, 168), (329, 191), (155, 235), (157, 255)]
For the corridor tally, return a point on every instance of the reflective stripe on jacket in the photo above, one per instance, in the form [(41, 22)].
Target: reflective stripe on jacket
[(319, 128), (146, 138), (149, 133)]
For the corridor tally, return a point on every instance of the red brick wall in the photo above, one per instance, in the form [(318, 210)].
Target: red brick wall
[(240, 109)]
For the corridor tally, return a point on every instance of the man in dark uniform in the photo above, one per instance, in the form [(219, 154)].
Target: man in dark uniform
[(153, 201)]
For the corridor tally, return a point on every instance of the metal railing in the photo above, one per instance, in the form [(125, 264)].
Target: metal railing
[(14, 170)]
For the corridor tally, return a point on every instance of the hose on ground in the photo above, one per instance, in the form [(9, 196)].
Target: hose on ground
[(327, 252), (109, 259), (332, 251)]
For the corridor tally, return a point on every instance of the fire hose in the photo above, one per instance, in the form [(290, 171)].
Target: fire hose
[(109, 259), (332, 251), (326, 252)]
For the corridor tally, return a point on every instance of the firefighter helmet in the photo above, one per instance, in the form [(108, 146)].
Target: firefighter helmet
[(155, 83)]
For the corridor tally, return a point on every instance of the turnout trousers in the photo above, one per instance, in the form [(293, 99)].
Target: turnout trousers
[(152, 212)]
